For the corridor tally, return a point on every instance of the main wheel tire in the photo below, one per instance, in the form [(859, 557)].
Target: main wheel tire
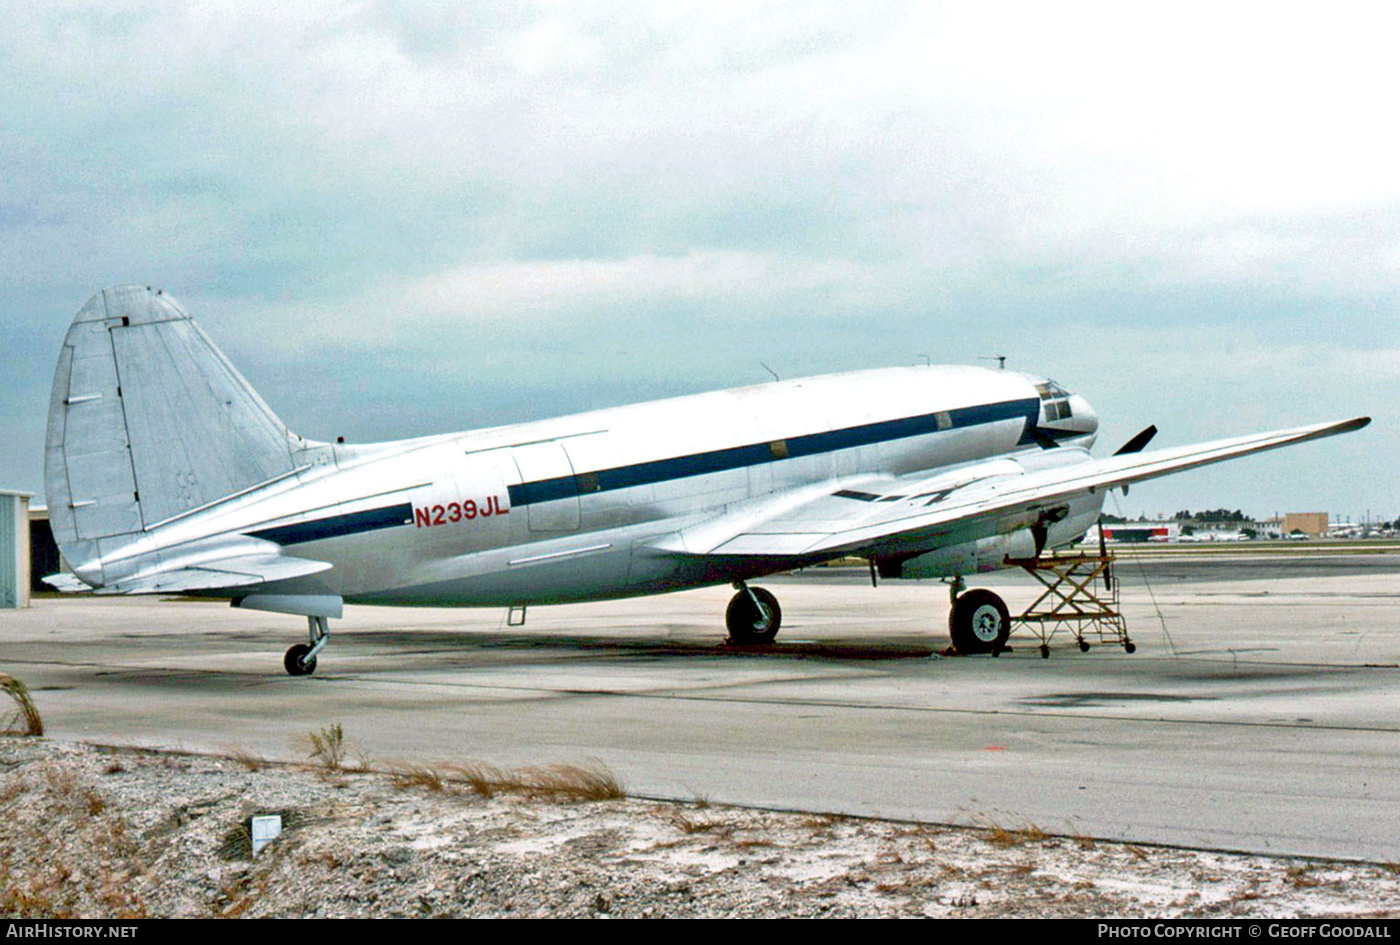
[(750, 624), (980, 622), (297, 663)]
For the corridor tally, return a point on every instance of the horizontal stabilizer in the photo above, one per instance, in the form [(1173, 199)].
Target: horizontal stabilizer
[(240, 571), (66, 583)]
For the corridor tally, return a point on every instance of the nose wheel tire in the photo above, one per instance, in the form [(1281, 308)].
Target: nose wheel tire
[(750, 624), (979, 622), (297, 663)]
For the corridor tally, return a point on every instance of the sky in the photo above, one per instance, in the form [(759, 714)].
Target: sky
[(409, 218)]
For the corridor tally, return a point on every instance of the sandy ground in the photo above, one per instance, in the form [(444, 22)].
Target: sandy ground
[(90, 831)]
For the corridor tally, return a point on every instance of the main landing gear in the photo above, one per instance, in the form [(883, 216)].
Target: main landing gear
[(301, 659), (753, 616), (1080, 597), (979, 621)]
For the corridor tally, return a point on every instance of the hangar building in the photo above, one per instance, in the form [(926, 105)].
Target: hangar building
[(14, 549)]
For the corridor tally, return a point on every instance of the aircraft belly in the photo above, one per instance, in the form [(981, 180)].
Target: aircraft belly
[(590, 572)]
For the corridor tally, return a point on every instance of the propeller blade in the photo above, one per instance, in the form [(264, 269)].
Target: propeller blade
[(1103, 548), (1136, 444)]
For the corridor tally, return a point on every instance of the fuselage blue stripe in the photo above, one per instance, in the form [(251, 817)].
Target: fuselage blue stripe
[(338, 525), (679, 467), (738, 457)]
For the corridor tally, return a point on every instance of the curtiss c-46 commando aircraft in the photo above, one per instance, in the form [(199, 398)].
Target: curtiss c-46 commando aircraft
[(167, 474)]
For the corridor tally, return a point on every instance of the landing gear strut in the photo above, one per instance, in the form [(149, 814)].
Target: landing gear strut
[(753, 615), (301, 659)]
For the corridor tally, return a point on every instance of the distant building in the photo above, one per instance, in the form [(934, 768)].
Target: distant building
[(44, 558), (14, 549), (1215, 534), (1136, 532), (1312, 524)]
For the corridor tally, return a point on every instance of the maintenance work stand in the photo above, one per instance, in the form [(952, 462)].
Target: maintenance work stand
[(1080, 597)]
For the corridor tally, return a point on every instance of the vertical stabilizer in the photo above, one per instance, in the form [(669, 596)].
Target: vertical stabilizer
[(148, 420)]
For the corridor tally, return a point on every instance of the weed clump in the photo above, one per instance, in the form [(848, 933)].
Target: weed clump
[(328, 747), (25, 720), (410, 776), (560, 782), (999, 836)]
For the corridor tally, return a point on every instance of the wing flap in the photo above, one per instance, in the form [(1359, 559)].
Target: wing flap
[(768, 544)]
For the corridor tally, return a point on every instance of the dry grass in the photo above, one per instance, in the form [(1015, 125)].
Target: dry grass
[(410, 776), (754, 843), (13, 787), (1303, 876), (819, 823), (25, 720), (328, 747), (689, 825), (61, 781), (560, 782), (77, 871), (999, 836), (249, 760)]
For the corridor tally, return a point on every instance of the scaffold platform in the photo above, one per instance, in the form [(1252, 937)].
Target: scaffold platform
[(1080, 598)]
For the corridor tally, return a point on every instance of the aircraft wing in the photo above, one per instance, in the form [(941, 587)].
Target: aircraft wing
[(900, 513), (238, 571)]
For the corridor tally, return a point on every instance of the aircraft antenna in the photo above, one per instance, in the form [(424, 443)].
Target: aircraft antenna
[(771, 371), (1000, 359)]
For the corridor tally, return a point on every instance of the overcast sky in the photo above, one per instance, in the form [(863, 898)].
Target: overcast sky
[(408, 218)]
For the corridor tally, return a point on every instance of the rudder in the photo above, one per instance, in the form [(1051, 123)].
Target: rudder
[(147, 421)]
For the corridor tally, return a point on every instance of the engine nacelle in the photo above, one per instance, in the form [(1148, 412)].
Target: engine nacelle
[(970, 557), (1025, 537)]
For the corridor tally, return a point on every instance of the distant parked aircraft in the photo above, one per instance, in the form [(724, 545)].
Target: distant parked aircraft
[(167, 474)]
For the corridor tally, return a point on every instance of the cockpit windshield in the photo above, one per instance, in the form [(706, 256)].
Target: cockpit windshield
[(1056, 400)]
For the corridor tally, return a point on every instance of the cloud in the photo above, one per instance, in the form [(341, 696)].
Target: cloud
[(389, 185)]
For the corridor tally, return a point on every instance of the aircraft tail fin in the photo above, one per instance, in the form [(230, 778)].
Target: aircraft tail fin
[(148, 421)]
